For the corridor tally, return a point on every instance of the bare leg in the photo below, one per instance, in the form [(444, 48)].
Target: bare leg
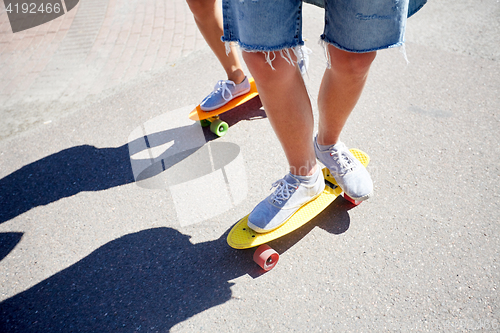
[(285, 99), (208, 17), (340, 90), (288, 107)]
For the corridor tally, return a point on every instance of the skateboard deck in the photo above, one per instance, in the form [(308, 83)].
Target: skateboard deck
[(211, 118), (199, 114), (242, 237)]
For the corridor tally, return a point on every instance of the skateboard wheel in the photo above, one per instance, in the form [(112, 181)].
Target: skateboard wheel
[(205, 123), (351, 200), (219, 127), (266, 257)]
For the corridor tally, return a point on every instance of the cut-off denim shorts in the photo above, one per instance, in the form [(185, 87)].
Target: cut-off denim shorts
[(350, 25)]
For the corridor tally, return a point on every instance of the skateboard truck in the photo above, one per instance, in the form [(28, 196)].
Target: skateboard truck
[(217, 126)]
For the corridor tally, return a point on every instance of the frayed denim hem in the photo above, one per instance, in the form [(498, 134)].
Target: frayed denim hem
[(324, 41), (270, 53)]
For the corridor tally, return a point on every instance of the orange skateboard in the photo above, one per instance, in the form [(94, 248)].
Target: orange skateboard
[(242, 237), (211, 118)]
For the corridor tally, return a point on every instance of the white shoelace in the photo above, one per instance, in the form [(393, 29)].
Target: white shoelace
[(222, 85), (344, 161), (283, 191)]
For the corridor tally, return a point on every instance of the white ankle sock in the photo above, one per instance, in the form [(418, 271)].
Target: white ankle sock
[(309, 179)]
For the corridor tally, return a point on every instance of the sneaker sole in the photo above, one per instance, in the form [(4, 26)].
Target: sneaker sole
[(363, 198), (263, 231)]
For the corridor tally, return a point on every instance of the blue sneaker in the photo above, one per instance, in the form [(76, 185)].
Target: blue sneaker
[(292, 192), (224, 91), (349, 173)]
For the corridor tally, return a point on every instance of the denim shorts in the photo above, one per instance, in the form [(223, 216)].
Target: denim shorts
[(350, 25)]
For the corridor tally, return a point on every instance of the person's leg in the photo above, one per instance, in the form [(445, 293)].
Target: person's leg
[(361, 27), (288, 108), (340, 90), (268, 50), (285, 99), (208, 18)]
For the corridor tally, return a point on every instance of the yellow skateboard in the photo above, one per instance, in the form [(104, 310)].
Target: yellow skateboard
[(211, 118), (242, 237)]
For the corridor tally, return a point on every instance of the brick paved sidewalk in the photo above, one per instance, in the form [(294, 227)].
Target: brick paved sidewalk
[(94, 47)]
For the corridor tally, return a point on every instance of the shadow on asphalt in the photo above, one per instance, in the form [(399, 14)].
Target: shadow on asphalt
[(85, 168), (334, 219), (8, 241), (61, 175), (146, 281)]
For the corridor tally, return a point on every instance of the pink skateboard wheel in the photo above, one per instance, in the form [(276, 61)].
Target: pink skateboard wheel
[(351, 200), (266, 257)]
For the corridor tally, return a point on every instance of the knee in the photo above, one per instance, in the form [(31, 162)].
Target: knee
[(256, 62), (355, 64), (259, 65)]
